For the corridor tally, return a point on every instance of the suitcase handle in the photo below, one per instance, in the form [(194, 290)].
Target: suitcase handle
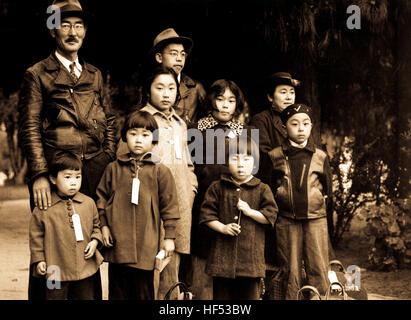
[(308, 288), (328, 293), (187, 294), (337, 263)]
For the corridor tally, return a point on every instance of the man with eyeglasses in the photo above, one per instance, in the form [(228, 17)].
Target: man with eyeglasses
[(61, 108), (172, 50)]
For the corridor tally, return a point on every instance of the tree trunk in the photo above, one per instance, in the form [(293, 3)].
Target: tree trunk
[(404, 99)]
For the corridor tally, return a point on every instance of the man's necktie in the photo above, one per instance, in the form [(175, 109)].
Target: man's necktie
[(73, 74)]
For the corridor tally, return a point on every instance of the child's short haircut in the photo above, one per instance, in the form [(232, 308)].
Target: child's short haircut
[(64, 160), (242, 144), (140, 119), (218, 88)]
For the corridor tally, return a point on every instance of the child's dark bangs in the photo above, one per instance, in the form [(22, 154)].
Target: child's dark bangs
[(71, 163), (141, 122), (243, 145), (65, 162)]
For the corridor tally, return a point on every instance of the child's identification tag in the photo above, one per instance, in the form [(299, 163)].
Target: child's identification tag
[(135, 190), (177, 148), (77, 227), (231, 134)]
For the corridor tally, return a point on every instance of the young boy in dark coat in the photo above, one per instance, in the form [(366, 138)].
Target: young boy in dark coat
[(237, 207), (303, 187)]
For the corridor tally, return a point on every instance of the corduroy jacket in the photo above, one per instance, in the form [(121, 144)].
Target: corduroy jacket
[(136, 228), (242, 255), (52, 237), (57, 113)]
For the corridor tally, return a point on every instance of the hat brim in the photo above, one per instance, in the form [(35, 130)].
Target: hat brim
[(186, 42), (271, 83), (284, 81), (78, 14)]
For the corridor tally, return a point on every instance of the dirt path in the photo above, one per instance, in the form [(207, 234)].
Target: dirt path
[(354, 251), (14, 249)]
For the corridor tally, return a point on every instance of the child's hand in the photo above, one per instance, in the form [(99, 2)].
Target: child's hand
[(168, 247), (41, 268), (90, 249), (243, 206), (232, 229), (107, 238)]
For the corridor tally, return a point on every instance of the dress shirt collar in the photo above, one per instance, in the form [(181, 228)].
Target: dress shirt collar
[(66, 63), (300, 146)]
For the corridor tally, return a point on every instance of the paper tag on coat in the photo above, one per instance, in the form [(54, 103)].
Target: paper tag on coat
[(177, 148), (135, 191), (77, 227), (231, 134)]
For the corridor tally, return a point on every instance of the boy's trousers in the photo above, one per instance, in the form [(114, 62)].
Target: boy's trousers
[(73, 290), (303, 239)]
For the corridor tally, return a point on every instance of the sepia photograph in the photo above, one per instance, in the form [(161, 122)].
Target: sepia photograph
[(220, 151)]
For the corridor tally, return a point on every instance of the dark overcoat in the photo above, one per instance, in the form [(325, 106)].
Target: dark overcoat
[(242, 255)]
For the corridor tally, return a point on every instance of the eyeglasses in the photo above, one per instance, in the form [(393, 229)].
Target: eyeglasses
[(174, 54), (66, 27)]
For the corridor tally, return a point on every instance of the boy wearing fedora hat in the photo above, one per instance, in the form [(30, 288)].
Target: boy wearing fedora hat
[(171, 50), (61, 108)]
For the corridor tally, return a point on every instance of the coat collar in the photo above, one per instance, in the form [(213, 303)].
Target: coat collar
[(78, 197), (186, 84), (210, 122), (153, 111), (309, 147), (278, 124), (252, 183), (53, 64), (147, 158), (187, 81)]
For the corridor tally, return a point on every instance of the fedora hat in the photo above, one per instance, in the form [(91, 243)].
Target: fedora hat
[(280, 78), (70, 8), (168, 36)]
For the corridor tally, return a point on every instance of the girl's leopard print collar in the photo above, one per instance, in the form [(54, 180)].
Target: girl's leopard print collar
[(210, 122)]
